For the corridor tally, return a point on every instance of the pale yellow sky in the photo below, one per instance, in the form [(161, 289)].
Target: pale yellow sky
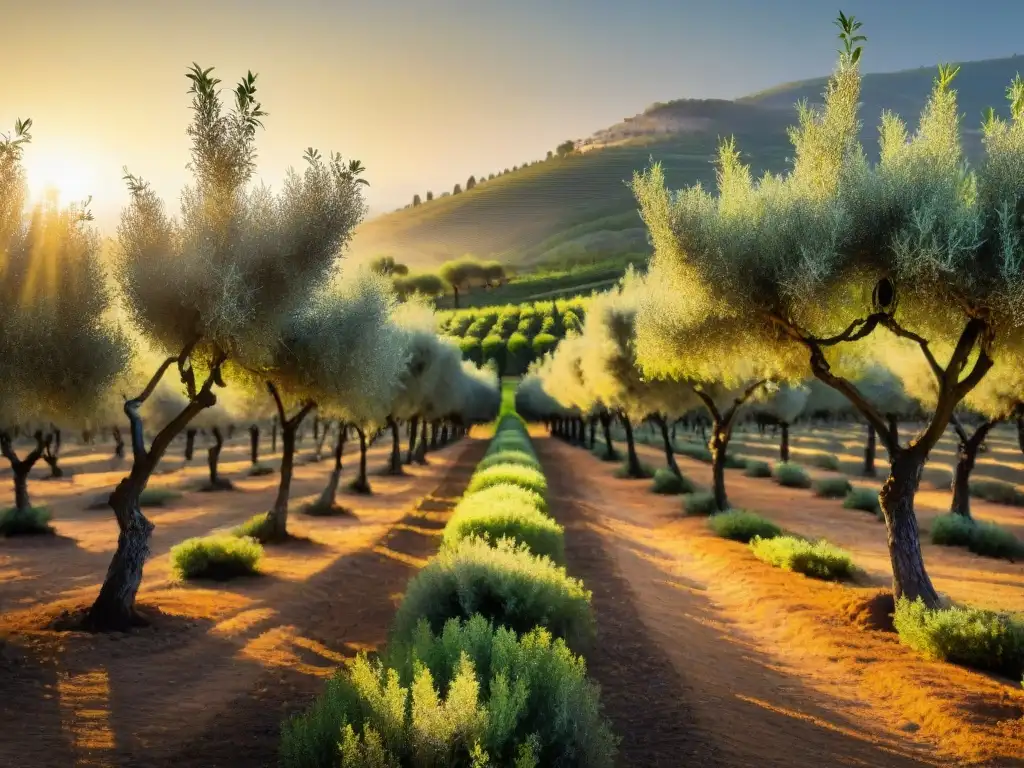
[(424, 92)]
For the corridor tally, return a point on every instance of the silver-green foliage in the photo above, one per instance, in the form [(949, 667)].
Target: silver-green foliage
[(963, 635), (514, 474), (819, 559), (469, 695), (506, 584), (499, 512)]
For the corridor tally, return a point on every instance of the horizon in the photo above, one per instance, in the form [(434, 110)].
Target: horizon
[(585, 67)]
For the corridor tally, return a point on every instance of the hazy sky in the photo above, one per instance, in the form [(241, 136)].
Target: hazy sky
[(424, 92)]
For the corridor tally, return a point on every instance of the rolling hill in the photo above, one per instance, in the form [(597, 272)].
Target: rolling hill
[(580, 207)]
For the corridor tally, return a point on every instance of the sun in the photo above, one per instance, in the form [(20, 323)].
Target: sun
[(68, 174)]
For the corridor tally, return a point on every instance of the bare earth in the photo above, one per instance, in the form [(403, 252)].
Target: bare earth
[(222, 664), (707, 656)]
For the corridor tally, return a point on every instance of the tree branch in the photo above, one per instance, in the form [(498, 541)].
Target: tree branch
[(960, 431), (185, 369), (204, 399), (295, 420), (890, 323), (708, 403), (739, 401), (7, 448)]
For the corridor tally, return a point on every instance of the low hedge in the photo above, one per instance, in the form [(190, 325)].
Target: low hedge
[(818, 559), (979, 536), (493, 516), (509, 474)]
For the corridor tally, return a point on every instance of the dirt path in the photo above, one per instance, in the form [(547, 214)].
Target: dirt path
[(681, 682), (209, 683)]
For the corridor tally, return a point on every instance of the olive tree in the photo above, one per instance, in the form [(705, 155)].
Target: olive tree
[(799, 266), (357, 354), (59, 348), (563, 377), (213, 284), (784, 403), (998, 398), (462, 274)]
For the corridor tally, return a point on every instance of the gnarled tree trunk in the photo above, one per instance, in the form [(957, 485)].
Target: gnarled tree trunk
[(362, 484), (910, 579), (190, 443), (276, 526), (217, 483), (395, 462), (593, 432), (869, 452), (118, 442), (633, 468), (433, 435), (21, 468), (114, 608), (420, 456), (254, 444), (327, 500), (414, 425), (670, 454), (320, 432), (273, 435), (966, 457), (784, 442), (719, 446), (606, 427)]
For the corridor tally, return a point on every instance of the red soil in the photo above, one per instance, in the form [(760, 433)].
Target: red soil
[(208, 683), (706, 656)]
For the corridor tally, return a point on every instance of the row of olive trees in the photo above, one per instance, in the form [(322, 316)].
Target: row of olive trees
[(455, 276), (242, 289), (810, 273), (801, 273)]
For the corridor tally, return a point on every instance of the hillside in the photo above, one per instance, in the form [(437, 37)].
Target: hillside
[(580, 207)]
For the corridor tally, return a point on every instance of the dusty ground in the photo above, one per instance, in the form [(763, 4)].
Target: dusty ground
[(710, 656), (209, 682)]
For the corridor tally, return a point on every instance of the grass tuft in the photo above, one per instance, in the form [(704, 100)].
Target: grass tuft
[(832, 487), (827, 461), (35, 521), (979, 536), (818, 559), (738, 525), (864, 499), (791, 475), (256, 527), (758, 469), (700, 503), (970, 636), (218, 557), (668, 483), (997, 492)]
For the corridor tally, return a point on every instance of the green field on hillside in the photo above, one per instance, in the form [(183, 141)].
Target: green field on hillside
[(580, 206)]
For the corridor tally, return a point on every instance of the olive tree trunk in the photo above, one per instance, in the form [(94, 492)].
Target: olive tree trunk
[(434, 426), (414, 425), (118, 442), (910, 579), (966, 457), (327, 500), (217, 483), (784, 442), (721, 432), (320, 431), (670, 453), (869, 452), (21, 468), (633, 468), (606, 427), (593, 433), (362, 484), (114, 608), (254, 444), (275, 527), (420, 456), (190, 443), (273, 435), (395, 462)]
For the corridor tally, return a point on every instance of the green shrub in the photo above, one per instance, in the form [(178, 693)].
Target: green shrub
[(700, 503), (508, 456), (864, 499), (36, 520), (832, 487), (818, 559), (504, 583), (969, 636), (979, 536), (259, 470), (742, 526), (600, 450), (646, 472), (512, 474), (668, 483), (492, 518), (506, 492), (997, 492), (791, 475), (758, 469), (157, 497), (735, 462), (473, 696), (694, 451), (216, 557), (543, 343), (253, 528), (827, 461)]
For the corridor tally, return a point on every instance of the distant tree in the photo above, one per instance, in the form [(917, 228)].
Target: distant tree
[(462, 274), (387, 266), (493, 273), (567, 147), (430, 195), (457, 189), (515, 168), (416, 200), (470, 183), (550, 155), (505, 171), (490, 176), (426, 284), (446, 194)]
